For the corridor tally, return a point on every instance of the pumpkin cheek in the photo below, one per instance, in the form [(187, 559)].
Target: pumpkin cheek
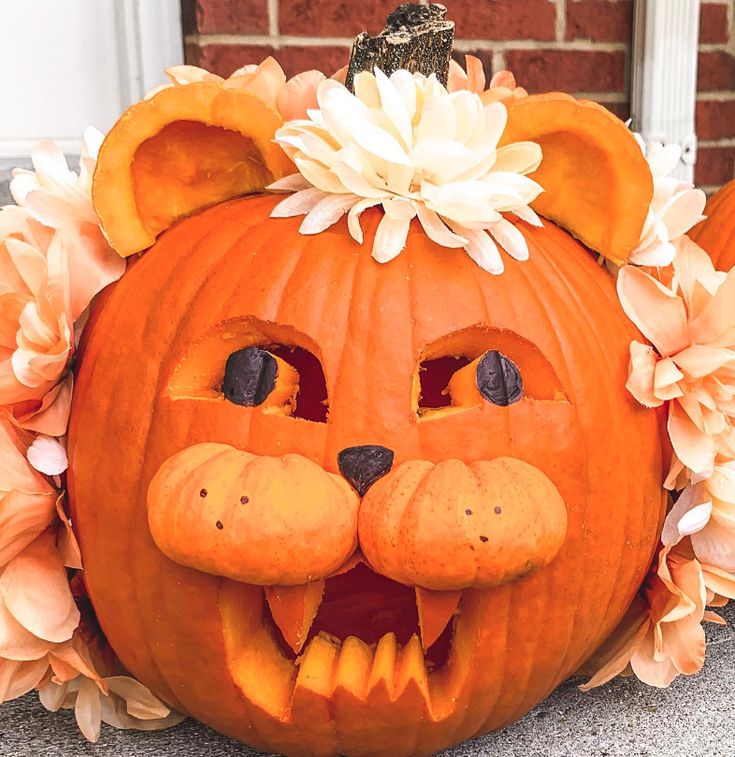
[(455, 526), (246, 517)]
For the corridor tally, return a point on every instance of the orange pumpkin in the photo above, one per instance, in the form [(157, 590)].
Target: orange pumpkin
[(554, 506), (716, 234)]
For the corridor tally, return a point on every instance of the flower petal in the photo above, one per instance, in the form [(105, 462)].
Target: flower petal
[(641, 371), (436, 229), (510, 238), (35, 590), (654, 309), (299, 203), (326, 213), (23, 517), (693, 447), (390, 238), (48, 456), (140, 702), (88, 710), (353, 217)]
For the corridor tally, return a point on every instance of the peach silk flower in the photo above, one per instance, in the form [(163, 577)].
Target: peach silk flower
[(705, 512), (53, 260), (119, 701), (661, 635), (691, 325), (675, 208), (291, 98), (38, 614), (502, 85)]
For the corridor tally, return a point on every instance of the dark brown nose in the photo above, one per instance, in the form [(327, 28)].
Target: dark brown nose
[(362, 466)]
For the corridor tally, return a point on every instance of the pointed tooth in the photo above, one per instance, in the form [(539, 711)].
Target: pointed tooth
[(436, 609), (311, 703), (412, 678), (382, 675), (353, 668), (294, 608)]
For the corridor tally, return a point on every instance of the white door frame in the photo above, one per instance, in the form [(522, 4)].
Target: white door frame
[(148, 38), (150, 33), (664, 76)]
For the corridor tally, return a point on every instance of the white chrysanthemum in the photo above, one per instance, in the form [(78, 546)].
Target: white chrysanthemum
[(408, 145), (675, 208)]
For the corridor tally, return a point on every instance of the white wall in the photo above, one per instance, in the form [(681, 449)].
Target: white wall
[(67, 64)]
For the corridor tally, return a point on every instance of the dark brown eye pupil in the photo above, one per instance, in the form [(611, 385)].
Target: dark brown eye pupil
[(250, 375), (499, 379)]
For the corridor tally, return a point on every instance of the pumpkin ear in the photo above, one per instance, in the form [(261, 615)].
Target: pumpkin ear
[(185, 148), (597, 182)]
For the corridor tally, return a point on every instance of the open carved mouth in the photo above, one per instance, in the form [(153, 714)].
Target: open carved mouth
[(360, 638), (359, 603)]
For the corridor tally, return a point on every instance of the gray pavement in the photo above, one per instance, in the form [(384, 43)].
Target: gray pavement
[(695, 717)]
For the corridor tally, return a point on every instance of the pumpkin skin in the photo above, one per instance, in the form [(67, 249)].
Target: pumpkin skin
[(716, 234), (200, 641)]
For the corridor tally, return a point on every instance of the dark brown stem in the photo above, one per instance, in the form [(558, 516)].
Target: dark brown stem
[(416, 37)]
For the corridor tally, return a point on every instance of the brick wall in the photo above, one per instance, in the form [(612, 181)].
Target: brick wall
[(580, 46)]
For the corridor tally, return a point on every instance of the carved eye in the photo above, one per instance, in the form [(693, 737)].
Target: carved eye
[(498, 379), (250, 376), (282, 379)]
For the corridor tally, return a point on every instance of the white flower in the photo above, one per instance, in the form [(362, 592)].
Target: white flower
[(408, 145), (676, 207)]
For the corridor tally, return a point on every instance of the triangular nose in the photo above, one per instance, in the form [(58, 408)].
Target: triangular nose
[(362, 466)]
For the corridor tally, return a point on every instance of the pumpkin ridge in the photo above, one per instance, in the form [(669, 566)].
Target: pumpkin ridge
[(332, 386), (561, 280), (142, 490), (716, 234), (163, 380), (629, 525), (232, 251), (634, 519), (540, 247), (106, 400)]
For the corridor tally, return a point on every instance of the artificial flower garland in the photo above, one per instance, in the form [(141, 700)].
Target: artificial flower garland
[(418, 150)]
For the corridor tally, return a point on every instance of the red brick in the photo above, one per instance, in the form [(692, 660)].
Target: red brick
[(716, 71), (714, 27), (333, 18), (715, 119), (328, 58), (232, 16), (224, 59), (568, 70), (504, 19), (715, 166), (600, 20)]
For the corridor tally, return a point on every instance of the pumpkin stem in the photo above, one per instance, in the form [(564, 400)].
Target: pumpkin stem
[(416, 37)]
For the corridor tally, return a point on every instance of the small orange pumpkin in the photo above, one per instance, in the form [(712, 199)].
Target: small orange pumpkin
[(716, 234)]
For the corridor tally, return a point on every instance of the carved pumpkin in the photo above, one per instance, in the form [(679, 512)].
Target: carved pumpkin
[(509, 520), (716, 234), (343, 508)]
